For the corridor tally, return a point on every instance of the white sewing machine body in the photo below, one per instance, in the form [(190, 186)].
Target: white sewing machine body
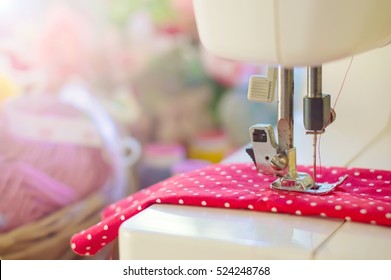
[(292, 33)]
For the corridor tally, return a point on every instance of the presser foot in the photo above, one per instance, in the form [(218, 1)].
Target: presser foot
[(304, 183)]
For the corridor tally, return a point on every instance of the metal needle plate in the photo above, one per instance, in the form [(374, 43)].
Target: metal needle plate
[(315, 188)]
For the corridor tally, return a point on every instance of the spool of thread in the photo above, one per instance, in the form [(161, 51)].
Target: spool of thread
[(50, 157), (211, 146), (157, 162)]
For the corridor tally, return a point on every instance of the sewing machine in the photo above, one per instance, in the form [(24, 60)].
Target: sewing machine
[(285, 34)]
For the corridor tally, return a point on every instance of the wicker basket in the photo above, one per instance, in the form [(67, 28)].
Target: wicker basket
[(48, 238)]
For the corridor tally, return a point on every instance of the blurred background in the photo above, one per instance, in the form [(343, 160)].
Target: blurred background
[(106, 97)]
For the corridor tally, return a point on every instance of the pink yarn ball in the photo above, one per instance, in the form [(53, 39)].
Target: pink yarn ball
[(38, 177)]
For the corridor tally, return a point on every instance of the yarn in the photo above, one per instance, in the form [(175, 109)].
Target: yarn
[(41, 172)]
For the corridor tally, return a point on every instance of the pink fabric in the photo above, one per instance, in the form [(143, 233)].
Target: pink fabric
[(365, 197)]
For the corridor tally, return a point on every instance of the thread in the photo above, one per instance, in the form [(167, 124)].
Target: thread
[(335, 104), (40, 177)]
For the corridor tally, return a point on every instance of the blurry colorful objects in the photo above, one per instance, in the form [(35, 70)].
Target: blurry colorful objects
[(176, 97), (212, 146), (227, 72), (188, 165), (121, 10), (8, 88), (237, 114), (65, 46), (157, 161)]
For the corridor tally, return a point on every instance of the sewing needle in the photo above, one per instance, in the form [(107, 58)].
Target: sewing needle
[(314, 155)]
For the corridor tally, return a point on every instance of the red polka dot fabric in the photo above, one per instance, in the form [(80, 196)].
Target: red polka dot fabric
[(365, 196)]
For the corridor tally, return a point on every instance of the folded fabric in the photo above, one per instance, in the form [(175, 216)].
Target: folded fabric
[(365, 197)]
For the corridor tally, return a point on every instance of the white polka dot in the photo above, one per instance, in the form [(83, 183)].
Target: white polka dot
[(73, 246), (242, 197), (356, 173), (203, 203), (387, 182), (363, 180), (313, 204), (227, 205), (298, 212), (88, 248), (323, 215), (104, 237), (218, 195), (117, 209), (122, 218), (282, 196), (250, 207), (103, 244), (139, 208), (380, 208), (158, 200), (355, 190), (265, 199), (338, 207), (318, 176), (371, 184), (289, 202), (348, 184), (106, 227), (347, 218), (373, 222), (388, 215), (371, 202), (274, 209), (363, 211), (180, 201), (89, 236), (334, 172), (379, 177), (87, 254), (378, 190)]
